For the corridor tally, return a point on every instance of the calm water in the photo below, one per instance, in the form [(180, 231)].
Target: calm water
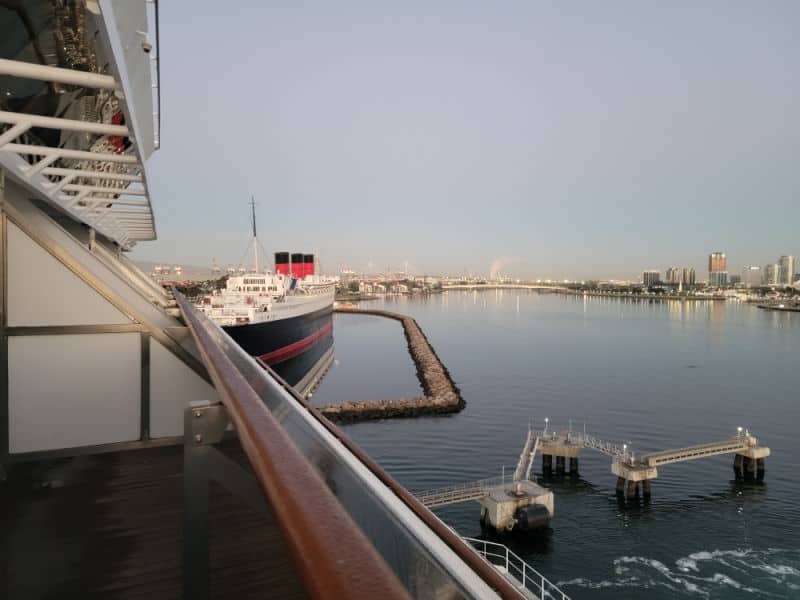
[(655, 376)]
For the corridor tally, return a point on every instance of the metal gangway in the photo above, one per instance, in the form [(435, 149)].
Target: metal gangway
[(527, 457), (475, 490), (740, 443), (462, 492)]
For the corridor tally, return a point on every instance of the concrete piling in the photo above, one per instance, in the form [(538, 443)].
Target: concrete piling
[(547, 464), (573, 466), (633, 489), (737, 467), (646, 491), (620, 486), (760, 469), (560, 462), (749, 465)]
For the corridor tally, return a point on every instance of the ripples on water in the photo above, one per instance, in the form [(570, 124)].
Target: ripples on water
[(654, 375)]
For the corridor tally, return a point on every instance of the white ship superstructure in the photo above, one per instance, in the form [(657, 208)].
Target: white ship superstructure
[(261, 297)]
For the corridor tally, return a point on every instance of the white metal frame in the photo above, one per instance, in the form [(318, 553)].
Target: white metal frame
[(510, 564), (106, 209)]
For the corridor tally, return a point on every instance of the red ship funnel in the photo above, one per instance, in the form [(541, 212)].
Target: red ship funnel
[(282, 263), (308, 262), (297, 268)]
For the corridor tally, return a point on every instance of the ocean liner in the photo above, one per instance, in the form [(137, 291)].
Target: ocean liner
[(283, 317)]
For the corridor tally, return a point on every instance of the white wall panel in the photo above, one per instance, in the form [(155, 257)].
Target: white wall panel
[(42, 291), (172, 386), (73, 390)]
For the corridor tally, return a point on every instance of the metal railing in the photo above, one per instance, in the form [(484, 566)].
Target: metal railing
[(461, 492), (512, 565), (666, 457)]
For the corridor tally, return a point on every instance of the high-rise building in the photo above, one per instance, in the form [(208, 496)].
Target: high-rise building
[(718, 278), (786, 270), (650, 278), (771, 274), (717, 269), (717, 262), (752, 276), (673, 275), (688, 276)]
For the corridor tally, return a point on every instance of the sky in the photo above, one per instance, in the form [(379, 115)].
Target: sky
[(559, 140)]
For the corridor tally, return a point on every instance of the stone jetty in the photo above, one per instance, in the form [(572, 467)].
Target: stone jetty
[(442, 396)]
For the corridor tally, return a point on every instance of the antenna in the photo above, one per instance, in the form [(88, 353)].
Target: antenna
[(255, 238)]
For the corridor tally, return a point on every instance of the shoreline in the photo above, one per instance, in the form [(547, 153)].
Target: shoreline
[(657, 297)]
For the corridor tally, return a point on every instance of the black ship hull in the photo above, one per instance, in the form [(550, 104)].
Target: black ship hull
[(292, 347)]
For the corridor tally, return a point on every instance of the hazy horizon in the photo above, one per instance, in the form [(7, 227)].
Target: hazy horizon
[(563, 141)]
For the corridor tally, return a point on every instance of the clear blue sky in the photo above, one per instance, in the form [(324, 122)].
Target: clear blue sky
[(581, 139)]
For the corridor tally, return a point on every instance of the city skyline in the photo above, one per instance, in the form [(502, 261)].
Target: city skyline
[(455, 136)]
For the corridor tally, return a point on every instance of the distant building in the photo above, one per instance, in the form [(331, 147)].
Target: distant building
[(673, 275), (717, 269), (786, 270), (734, 279), (771, 274), (718, 278), (676, 276), (752, 276), (650, 278), (717, 262)]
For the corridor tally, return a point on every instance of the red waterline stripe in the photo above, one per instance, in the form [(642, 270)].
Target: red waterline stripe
[(297, 348)]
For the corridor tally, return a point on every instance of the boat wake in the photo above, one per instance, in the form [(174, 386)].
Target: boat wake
[(770, 573)]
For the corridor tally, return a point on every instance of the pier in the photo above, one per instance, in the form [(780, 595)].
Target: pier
[(633, 473), (519, 503), (441, 395)]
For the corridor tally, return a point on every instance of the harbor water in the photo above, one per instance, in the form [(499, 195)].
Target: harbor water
[(654, 375)]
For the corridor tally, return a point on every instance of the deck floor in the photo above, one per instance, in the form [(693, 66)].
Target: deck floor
[(110, 526)]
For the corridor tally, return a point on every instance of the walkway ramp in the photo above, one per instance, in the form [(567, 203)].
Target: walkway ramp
[(463, 492), (737, 444), (525, 462)]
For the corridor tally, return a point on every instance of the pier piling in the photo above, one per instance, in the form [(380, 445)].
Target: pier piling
[(646, 491), (560, 462), (749, 465), (547, 464), (760, 463), (573, 466), (620, 486), (633, 489), (737, 466)]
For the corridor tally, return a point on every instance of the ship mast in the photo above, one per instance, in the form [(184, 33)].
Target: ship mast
[(255, 239)]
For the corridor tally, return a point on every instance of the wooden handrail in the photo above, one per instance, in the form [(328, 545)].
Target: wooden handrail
[(333, 558)]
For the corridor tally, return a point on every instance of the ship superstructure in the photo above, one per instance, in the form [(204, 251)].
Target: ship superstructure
[(282, 317)]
